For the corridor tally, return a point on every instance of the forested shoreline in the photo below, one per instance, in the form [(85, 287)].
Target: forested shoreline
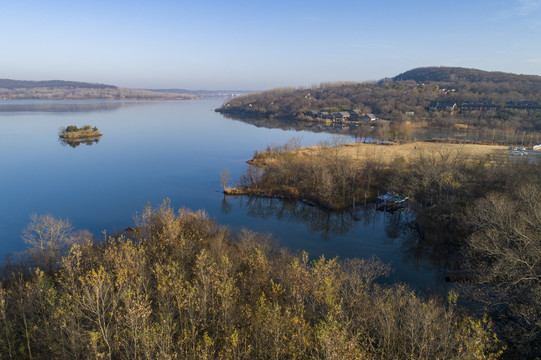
[(428, 96), (476, 210), (72, 90)]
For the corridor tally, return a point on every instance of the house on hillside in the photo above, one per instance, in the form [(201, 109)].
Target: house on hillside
[(336, 117), (355, 116), (340, 116), (325, 115), (345, 115), (522, 105), (446, 91), (314, 113), (369, 118), (445, 106), (478, 104)]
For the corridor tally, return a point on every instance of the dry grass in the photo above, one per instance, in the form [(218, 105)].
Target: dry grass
[(387, 154), (79, 135)]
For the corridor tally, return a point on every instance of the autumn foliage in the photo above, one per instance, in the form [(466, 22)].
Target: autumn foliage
[(178, 286)]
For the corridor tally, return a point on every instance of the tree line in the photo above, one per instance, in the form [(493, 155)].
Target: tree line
[(63, 90)]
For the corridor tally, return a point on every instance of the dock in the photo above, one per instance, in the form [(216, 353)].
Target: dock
[(392, 202)]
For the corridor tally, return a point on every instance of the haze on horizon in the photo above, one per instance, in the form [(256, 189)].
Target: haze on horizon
[(260, 45)]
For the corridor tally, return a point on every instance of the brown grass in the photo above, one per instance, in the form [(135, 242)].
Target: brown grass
[(387, 154), (78, 135)]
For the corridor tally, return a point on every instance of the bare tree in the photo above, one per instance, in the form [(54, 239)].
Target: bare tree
[(225, 176), (504, 253), (49, 238), (383, 130)]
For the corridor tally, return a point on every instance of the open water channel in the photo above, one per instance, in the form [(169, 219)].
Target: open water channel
[(151, 151)]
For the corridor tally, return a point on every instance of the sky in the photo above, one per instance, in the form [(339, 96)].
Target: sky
[(258, 45)]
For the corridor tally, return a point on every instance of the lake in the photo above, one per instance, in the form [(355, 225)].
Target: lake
[(151, 151)]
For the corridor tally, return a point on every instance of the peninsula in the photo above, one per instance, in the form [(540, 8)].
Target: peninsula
[(335, 177)]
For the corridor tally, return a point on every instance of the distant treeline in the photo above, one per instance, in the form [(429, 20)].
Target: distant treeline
[(411, 96), (71, 90), (18, 84)]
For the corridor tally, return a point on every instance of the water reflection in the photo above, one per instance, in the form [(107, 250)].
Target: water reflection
[(365, 226), (424, 251), (75, 143), (61, 107), (296, 125), (370, 131), (329, 224)]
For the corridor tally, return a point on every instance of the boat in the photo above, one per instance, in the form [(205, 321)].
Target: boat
[(392, 202)]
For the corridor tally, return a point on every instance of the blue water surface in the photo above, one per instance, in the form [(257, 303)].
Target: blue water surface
[(151, 151)]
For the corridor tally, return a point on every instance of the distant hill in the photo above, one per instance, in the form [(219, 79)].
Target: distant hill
[(457, 74), (18, 84), (73, 90)]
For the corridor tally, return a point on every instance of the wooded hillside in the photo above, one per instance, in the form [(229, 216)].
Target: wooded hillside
[(431, 96), (18, 84), (456, 74)]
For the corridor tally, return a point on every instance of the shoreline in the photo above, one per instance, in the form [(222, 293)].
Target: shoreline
[(390, 157), (282, 195)]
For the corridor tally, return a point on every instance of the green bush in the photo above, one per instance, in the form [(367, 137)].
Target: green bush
[(72, 128)]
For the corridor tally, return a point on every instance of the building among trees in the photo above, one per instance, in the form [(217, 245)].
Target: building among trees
[(444, 106), (479, 105), (523, 104)]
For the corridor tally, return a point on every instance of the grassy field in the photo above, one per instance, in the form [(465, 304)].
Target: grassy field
[(331, 176), (387, 154)]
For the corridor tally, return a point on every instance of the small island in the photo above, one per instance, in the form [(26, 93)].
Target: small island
[(73, 133), (75, 136)]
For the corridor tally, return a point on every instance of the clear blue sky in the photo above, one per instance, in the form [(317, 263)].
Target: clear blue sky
[(209, 44)]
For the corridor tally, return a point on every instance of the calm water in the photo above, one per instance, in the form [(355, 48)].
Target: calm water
[(176, 150)]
